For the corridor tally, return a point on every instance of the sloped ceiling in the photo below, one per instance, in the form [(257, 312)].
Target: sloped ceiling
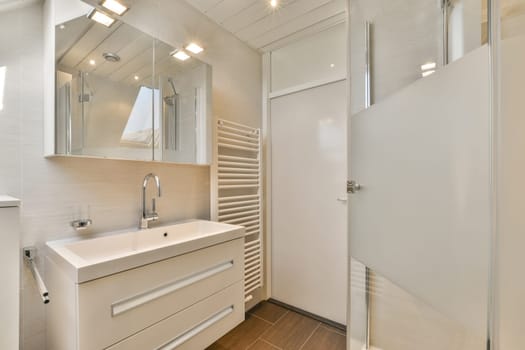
[(260, 26)]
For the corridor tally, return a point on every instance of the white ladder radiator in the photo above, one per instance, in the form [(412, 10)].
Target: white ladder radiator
[(237, 192)]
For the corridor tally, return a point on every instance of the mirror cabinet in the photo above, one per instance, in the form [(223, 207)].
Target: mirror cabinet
[(120, 93)]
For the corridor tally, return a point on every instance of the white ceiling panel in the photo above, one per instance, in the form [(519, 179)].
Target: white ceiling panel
[(259, 25)]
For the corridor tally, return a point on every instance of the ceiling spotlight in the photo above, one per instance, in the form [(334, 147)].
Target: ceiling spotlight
[(192, 47), (92, 62), (114, 6), (136, 77), (427, 66), (180, 55), (62, 26), (101, 18), (273, 3)]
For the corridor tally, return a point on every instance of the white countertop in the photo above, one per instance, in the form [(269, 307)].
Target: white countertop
[(8, 201)]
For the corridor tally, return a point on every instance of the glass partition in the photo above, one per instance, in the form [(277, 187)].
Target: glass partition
[(394, 43), (420, 141)]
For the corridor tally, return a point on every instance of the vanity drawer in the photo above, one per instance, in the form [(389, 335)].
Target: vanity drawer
[(194, 328), (128, 302)]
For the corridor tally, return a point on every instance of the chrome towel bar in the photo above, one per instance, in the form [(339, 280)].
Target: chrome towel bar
[(29, 258)]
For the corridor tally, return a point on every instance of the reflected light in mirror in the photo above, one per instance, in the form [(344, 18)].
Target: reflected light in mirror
[(114, 6), (192, 47), (92, 62), (2, 86), (136, 77), (273, 3), (180, 55), (101, 18)]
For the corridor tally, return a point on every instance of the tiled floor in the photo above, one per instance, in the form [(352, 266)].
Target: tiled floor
[(271, 327)]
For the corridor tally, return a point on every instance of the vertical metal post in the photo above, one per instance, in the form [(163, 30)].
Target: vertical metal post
[(368, 68), (445, 5), (368, 104), (82, 106), (368, 311)]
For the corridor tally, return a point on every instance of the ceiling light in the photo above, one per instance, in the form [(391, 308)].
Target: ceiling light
[(180, 55), (101, 18), (114, 6), (427, 73), (427, 66), (332, 65), (62, 26), (136, 77), (273, 3), (192, 47), (92, 62)]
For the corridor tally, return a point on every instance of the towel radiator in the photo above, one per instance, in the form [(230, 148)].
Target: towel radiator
[(237, 192)]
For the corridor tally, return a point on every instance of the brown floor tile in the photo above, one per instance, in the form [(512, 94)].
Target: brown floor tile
[(268, 311), (216, 346), (291, 331), (326, 340), (243, 335), (262, 345)]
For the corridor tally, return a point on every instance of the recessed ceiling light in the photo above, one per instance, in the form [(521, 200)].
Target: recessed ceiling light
[(427, 66), (427, 73), (92, 62), (114, 6), (101, 18), (192, 47), (180, 55), (273, 3), (62, 26), (332, 65), (136, 77)]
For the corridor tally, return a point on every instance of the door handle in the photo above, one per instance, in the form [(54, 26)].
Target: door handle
[(352, 186)]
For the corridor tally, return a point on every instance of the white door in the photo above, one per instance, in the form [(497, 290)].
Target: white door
[(309, 219)]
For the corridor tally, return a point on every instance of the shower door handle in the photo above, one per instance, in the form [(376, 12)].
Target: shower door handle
[(352, 186)]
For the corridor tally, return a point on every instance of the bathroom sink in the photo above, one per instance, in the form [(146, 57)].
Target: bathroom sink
[(88, 259)]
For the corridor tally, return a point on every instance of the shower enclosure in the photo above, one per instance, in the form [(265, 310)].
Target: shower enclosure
[(436, 146)]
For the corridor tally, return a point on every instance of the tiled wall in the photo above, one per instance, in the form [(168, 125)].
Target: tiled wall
[(53, 191)]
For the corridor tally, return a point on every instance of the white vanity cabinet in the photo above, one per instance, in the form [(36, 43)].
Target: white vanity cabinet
[(184, 302)]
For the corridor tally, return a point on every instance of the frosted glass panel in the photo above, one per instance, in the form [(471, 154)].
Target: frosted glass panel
[(318, 57), (421, 221)]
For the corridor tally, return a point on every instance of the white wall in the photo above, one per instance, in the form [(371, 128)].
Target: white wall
[(53, 190), (511, 201)]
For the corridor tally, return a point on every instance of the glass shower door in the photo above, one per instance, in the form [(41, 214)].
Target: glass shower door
[(420, 151)]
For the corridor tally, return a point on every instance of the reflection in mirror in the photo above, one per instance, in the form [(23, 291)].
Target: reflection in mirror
[(121, 94)]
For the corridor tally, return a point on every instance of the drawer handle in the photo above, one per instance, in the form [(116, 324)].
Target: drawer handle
[(184, 337), (125, 305)]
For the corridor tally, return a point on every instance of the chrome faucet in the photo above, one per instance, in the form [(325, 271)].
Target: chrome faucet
[(153, 216)]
